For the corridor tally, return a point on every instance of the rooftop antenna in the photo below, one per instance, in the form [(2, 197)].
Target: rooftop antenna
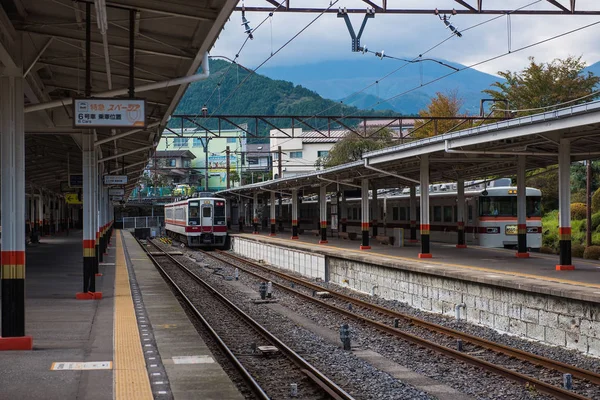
[(446, 20), (343, 13)]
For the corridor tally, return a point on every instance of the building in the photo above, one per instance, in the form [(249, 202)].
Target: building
[(302, 151), (214, 158), (175, 166)]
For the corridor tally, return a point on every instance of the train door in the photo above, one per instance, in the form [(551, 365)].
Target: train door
[(194, 213), (207, 216)]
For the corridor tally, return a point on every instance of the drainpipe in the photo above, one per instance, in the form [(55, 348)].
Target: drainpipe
[(120, 92), (373, 289), (457, 308)]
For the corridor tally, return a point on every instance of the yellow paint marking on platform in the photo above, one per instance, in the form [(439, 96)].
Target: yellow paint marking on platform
[(130, 374), (442, 264)]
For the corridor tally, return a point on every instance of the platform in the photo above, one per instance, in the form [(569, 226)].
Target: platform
[(473, 262), (490, 287), (128, 336)]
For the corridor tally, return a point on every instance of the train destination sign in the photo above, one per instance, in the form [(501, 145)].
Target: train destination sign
[(109, 113), (75, 180), (115, 179)]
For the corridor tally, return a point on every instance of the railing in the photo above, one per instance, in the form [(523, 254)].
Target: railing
[(143, 222)]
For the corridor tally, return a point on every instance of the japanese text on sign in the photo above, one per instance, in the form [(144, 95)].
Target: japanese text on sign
[(109, 113)]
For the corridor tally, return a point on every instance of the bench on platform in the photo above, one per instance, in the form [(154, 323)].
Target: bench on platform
[(347, 235), (315, 232), (385, 240)]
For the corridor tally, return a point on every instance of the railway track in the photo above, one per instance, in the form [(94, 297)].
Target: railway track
[(384, 320), (233, 337)]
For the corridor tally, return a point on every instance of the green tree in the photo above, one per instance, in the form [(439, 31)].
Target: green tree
[(544, 85), (442, 105), (353, 146), (234, 177)]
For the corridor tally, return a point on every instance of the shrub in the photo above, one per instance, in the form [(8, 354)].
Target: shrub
[(578, 211), (577, 250), (547, 250), (596, 201), (596, 221), (592, 253)]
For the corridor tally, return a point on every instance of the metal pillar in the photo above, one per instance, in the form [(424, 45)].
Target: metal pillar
[(100, 219), (522, 208), (413, 214), (96, 195), (89, 232), (323, 213), (255, 213), (12, 209), (344, 211), (272, 210), (460, 214), (294, 214), (425, 234), (40, 214), (375, 203), (564, 205), (365, 214)]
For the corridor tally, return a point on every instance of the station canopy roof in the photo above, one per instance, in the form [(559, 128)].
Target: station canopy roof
[(489, 150), (171, 38)]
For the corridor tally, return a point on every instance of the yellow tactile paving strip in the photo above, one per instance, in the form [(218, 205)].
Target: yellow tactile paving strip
[(481, 269), (130, 375)]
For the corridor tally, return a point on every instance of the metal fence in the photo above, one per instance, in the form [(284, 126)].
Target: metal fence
[(143, 222)]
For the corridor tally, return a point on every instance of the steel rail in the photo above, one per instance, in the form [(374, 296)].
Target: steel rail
[(320, 379), (513, 375), (254, 386)]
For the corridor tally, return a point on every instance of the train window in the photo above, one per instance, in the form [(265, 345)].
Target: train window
[(534, 207), (456, 213), (355, 213), (206, 212), (470, 212), (437, 213), (403, 214), (395, 214), (498, 206), (447, 214), (418, 213)]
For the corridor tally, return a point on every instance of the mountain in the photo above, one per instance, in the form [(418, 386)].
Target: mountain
[(339, 79), (594, 68), (259, 95)]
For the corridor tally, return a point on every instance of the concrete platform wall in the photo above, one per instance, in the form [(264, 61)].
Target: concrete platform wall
[(552, 319), (307, 264)]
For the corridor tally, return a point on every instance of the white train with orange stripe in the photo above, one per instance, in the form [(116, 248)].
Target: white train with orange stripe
[(490, 213), (198, 222)]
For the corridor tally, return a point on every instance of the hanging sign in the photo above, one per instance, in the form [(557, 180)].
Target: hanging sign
[(115, 179), (75, 180), (73, 198), (109, 113), (116, 192)]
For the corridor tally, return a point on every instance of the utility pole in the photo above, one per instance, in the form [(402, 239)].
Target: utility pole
[(588, 198), (279, 166)]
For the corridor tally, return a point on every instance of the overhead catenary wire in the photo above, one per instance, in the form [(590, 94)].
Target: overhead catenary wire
[(421, 55)]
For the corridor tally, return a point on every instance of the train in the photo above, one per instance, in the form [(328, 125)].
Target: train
[(490, 213), (198, 222)]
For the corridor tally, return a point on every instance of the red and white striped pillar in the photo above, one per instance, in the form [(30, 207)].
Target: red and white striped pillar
[(323, 213), (255, 213), (272, 212), (12, 258), (521, 208), (425, 233), (364, 193), (460, 213), (564, 205), (375, 203), (413, 214), (294, 214)]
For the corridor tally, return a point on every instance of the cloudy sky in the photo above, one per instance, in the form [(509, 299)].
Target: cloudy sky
[(410, 35)]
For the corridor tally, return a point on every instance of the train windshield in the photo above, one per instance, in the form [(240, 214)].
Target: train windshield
[(194, 217), (506, 206), (219, 212)]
